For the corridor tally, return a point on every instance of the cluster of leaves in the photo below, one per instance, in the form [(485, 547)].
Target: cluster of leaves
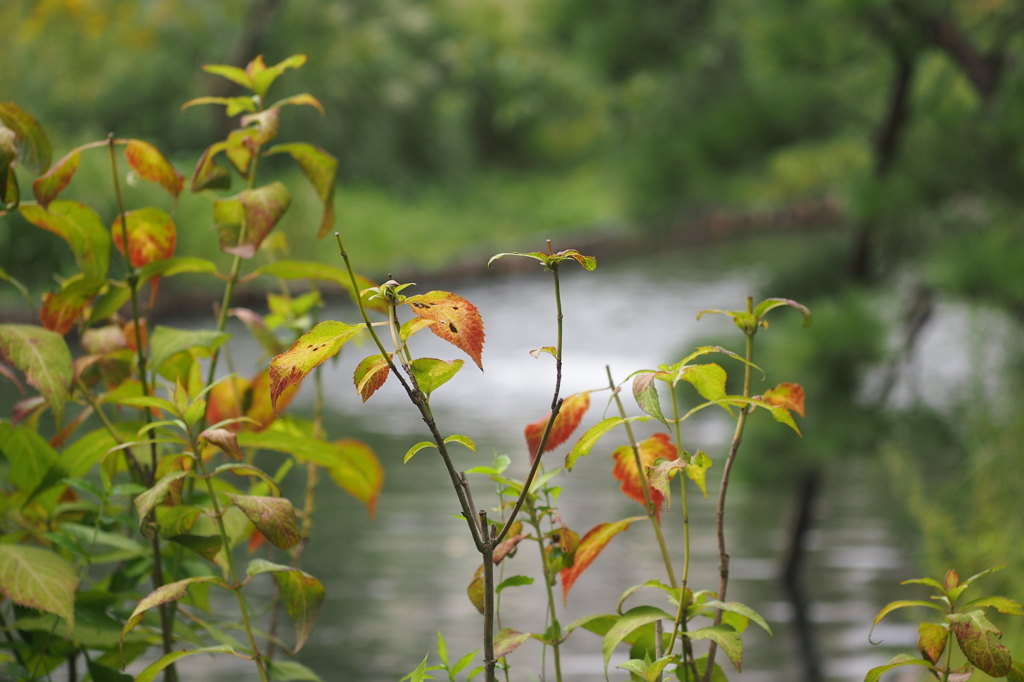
[(165, 488), (965, 623)]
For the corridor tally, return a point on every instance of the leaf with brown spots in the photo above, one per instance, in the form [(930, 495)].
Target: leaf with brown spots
[(460, 322), (932, 641), (589, 548), (569, 417), (151, 165), (787, 395), (312, 349), (658, 446), (274, 516), (370, 375), (977, 638), (151, 236)]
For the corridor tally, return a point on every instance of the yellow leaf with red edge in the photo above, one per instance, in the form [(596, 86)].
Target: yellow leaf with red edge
[(787, 395), (658, 446), (370, 375), (61, 310), (49, 185), (569, 417), (151, 165), (592, 544), (312, 349), (460, 322), (151, 235)]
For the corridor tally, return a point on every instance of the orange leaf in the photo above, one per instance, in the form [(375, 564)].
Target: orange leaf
[(313, 348), (787, 395), (590, 546), (260, 408), (225, 402), (461, 324), (658, 446), (150, 164), (256, 540), (151, 236), (371, 375), (569, 417)]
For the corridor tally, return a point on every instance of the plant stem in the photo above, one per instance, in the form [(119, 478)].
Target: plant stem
[(723, 555), (488, 557), (232, 573), (680, 623), (556, 406), (170, 674), (949, 656), (646, 486), (546, 566), (417, 399)]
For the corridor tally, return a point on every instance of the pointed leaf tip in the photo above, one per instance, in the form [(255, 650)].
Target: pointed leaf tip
[(460, 321)]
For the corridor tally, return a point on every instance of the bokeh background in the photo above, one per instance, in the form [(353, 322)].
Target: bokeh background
[(865, 157)]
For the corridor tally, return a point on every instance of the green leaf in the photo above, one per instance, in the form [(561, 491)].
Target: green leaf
[(895, 662), (207, 174), (697, 471), (514, 581), (263, 78), (673, 594), (685, 674), (741, 609), (902, 604), (163, 594), (303, 595), (1016, 673), (726, 638), (508, 640), (589, 439), (925, 581), (258, 209), (232, 73), (145, 502), (419, 674), (1000, 604), (631, 620), (416, 448), (100, 673), (168, 267), (29, 456), (321, 169), (178, 520), (647, 396), (44, 358), (709, 379), (207, 546), (463, 440), (932, 640), (308, 352), (431, 373), (286, 671), (242, 469), (34, 152), (235, 105), (293, 269), (39, 579), (273, 516), (351, 463), (976, 636), (80, 227), (154, 669), (167, 341), (773, 303)]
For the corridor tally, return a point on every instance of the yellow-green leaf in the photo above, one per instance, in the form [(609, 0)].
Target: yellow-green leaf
[(312, 349), (273, 516), (44, 358)]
